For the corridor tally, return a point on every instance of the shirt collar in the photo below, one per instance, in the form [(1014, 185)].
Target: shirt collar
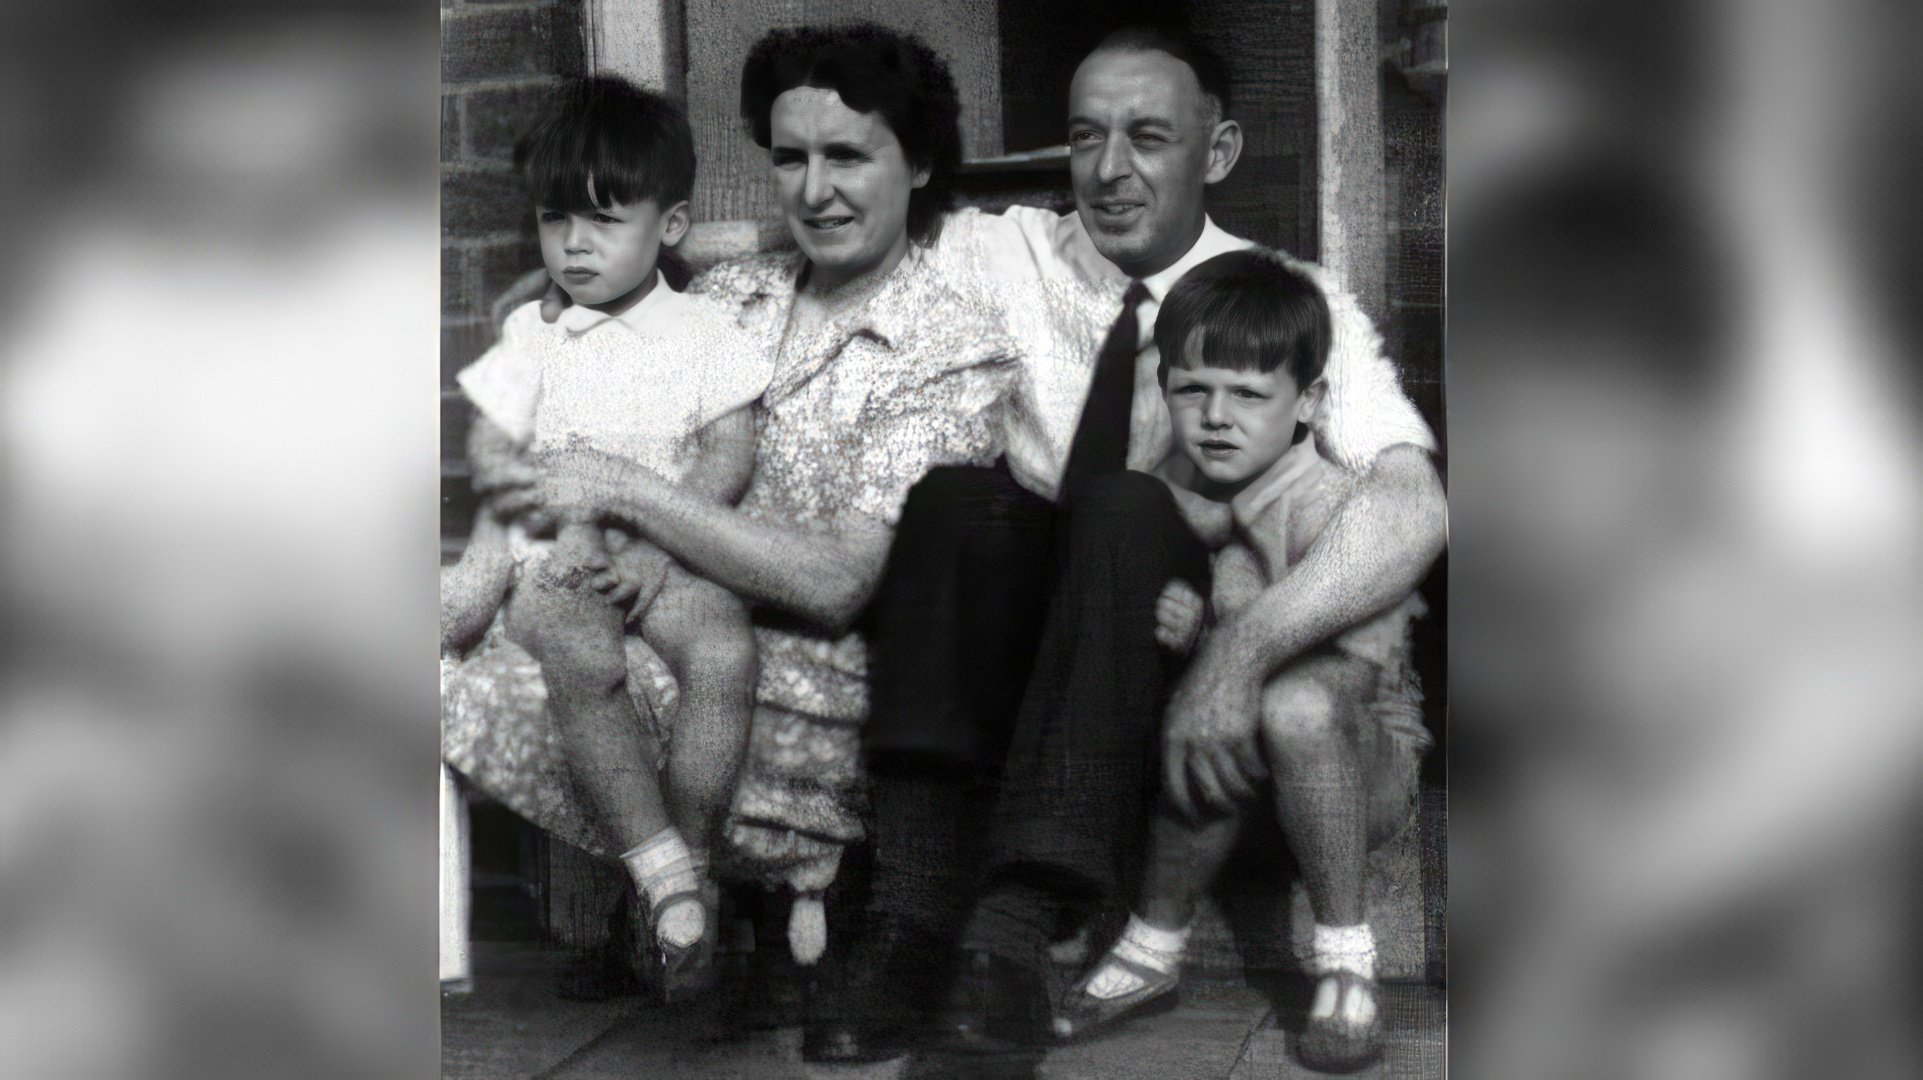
[(890, 312), (1294, 463), (642, 318), (1213, 241)]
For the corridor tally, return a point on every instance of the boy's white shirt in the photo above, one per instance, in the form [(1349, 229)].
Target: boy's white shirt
[(723, 369)]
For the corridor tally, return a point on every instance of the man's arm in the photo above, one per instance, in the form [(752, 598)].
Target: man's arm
[(1375, 550)]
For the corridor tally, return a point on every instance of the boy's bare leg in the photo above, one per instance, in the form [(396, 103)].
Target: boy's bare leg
[(1320, 744), (702, 632), (1142, 966), (1323, 748), (577, 639), (1184, 858)]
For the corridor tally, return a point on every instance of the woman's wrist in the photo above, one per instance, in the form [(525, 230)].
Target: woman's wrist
[(627, 491)]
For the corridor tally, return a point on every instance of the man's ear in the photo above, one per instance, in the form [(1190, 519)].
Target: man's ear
[(1225, 148), (675, 223), (1311, 400)]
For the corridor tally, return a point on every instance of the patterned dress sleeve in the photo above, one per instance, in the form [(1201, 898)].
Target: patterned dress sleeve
[(505, 383), (942, 410)]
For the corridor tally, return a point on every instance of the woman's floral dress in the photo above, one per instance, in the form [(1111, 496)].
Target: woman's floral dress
[(857, 412)]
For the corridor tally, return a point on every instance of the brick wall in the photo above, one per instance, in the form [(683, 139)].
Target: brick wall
[(499, 60)]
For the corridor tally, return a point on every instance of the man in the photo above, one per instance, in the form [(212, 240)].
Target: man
[(1008, 588)]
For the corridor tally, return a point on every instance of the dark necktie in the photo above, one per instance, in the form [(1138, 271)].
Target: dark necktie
[(1101, 438)]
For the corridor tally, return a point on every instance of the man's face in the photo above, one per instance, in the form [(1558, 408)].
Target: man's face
[(1140, 132)]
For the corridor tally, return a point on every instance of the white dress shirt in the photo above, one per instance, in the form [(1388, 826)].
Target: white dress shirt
[(1058, 296)]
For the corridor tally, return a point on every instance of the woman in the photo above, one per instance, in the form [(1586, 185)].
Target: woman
[(869, 393)]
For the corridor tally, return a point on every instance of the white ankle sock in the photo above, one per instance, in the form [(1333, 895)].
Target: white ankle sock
[(1150, 946), (662, 866), (1343, 948), (807, 929)]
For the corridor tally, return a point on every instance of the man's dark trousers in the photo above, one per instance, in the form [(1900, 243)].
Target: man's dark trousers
[(1018, 689)]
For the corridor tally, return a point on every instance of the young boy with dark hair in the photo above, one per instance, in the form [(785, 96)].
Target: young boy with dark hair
[(1243, 339), (633, 373)]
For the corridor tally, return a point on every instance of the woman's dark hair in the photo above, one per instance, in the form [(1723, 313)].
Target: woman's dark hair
[(874, 70), (632, 144), (1246, 310)]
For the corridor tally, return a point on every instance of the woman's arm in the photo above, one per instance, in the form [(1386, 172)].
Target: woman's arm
[(825, 577), (724, 458)]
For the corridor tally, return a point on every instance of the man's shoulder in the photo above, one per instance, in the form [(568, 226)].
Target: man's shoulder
[(1030, 242)]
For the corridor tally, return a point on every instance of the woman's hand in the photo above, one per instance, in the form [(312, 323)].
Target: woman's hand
[(635, 574)]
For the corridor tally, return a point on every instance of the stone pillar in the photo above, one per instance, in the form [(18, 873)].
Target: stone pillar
[(642, 41), (1348, 93)]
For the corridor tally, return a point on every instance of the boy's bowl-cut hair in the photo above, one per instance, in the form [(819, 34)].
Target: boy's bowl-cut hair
[(607, 141), (1245, 310)]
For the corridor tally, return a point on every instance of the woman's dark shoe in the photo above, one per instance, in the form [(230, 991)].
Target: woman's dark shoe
[(851, 1042), (994, 1006), (606, 972), (1344, 1031), (600, 976), (1082, 1014)]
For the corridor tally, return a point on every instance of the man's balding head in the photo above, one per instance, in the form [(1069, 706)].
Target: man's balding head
[(1146, 136)]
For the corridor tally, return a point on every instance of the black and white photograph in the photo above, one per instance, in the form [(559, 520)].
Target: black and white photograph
[(1131, 540), (941, 514)]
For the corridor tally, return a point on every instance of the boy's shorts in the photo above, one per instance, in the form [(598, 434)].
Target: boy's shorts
[(1387, 699)]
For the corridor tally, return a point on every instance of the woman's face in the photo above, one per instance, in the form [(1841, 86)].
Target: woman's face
[(844, 184)]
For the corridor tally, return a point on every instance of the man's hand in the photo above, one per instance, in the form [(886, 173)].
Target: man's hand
[(1179, 614), (1209, 733)]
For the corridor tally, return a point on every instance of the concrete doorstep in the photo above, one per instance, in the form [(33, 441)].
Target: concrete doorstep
[(514, 1025)]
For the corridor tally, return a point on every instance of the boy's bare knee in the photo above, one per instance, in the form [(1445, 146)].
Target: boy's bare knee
[(700, 628), (1300, 715), (572, 649)]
